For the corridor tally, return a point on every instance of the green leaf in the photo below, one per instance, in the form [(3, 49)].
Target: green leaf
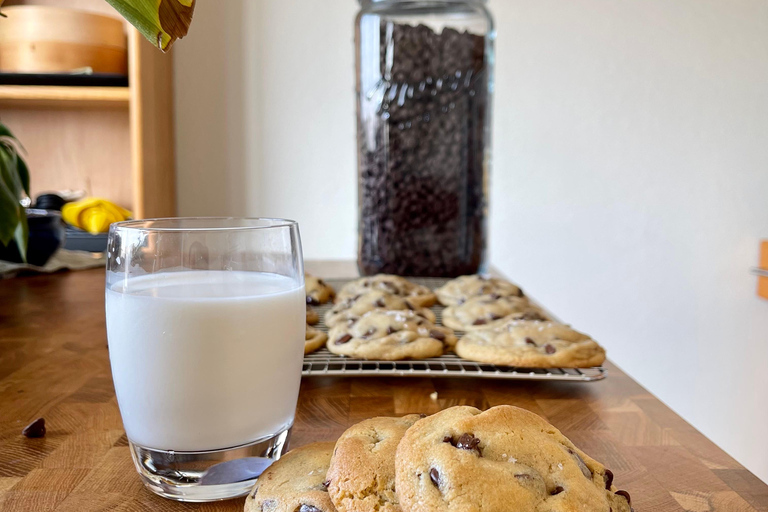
[(160, 21), (21, 235), (23, 173), (9, 211)]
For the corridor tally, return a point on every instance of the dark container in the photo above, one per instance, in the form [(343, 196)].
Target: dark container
[(424, 83), (46, 235)]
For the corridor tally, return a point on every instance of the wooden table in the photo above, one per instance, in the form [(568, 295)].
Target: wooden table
[(54, 364)]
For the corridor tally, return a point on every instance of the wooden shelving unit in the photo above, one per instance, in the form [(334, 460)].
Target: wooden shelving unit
[(25, 96), (113, 142)]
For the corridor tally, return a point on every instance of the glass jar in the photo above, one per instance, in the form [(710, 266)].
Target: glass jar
[(424, 83)]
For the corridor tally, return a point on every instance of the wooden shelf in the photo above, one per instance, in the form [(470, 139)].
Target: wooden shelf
[(33, 96)]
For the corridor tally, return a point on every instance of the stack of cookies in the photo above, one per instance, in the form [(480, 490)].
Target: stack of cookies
[(460, 459), (386, 317), (504, 328), (318, 292)]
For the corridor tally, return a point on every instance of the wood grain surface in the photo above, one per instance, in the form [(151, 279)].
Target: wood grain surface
[(54, 363)]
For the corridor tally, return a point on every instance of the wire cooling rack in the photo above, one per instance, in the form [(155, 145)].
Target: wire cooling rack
[(325, 363)]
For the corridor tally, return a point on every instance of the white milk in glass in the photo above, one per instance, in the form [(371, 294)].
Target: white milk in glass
[(205, 360)]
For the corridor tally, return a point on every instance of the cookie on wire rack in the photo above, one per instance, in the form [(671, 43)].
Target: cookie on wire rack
[(318, 291), (531, 345), (390, 336), (500, 460), (312, 316), (489, 311), (361, 477), (418, 295), (355, 306), (313, 339), (457, 291)]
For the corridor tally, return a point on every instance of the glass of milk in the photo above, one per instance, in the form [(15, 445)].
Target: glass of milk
[(205, 322)]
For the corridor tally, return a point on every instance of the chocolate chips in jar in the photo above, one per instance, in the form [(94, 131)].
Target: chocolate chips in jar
[(423, 149)]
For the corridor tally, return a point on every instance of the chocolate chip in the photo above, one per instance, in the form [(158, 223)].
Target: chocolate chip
[(326, 483), (422, 415), (494, 316), (369, 332), (344, 339), (436, 335), (520, 293), (480, 321), (532, 316), (434, 475), (409, 305), (351, 322), (312, 301), (448, 439), (308, 508), (469, 442), (557, 490), (608, 479), (495, 296), (626, 495), (379, 303), (549, 349), (530, 341), (35, 429), (582, 465), (391, 330)]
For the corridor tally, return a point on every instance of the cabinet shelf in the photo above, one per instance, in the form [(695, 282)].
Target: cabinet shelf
[(21, 96)]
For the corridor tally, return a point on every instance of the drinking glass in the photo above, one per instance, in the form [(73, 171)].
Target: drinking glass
[(205, 322)]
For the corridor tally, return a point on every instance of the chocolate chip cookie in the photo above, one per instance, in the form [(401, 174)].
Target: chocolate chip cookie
[(503, 459), (390, 336), (318, 291), (418, 295), (295, 483), (361, 477), (489, 311), (457, 291), (532, 345), (314, 339), (355, 306), (312, 316)]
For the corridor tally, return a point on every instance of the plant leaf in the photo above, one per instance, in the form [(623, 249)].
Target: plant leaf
[(21, 234), (9, 209), (160, 21), (23, 173)]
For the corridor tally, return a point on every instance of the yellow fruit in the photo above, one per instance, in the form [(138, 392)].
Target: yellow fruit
[(93, 214)]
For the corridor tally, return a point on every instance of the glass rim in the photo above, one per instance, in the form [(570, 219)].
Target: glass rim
[(176, 224)]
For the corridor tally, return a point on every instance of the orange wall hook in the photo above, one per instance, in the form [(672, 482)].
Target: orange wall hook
[(762, 271)]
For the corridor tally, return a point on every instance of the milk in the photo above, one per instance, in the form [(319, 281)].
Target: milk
[(205, 360)]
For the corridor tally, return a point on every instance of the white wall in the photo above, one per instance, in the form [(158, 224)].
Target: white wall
[(630, 171)]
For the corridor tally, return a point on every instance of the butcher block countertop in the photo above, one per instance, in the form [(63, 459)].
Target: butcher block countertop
[(54, 364)]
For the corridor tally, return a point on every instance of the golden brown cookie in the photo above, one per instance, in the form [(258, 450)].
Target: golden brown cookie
[(294, 483), (312, 316), (313, 340), (318, 291), (531, 345), (361, 477), (457, 291), (390, 336), (418, 295), (488, 311), (503, 459), (355, 306)]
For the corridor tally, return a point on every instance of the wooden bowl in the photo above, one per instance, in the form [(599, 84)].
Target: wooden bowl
[(43, 39)]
